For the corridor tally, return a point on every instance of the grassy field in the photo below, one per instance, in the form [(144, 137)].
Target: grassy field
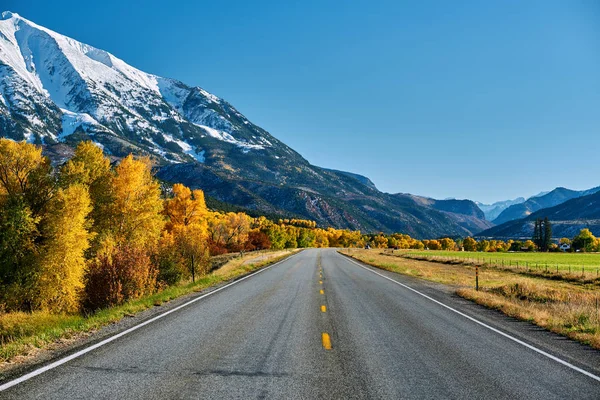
[(590, 261), (564, 307), (22, 334)]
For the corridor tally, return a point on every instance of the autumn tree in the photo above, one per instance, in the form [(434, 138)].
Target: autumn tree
[(228, 232), (187, 221), (379, 242), (306, 238), (321, 238), (25, 173), (258, 240), (136, 208), (447, 244), (584, 241), (118, 274), (62, 260), (26, 187), (529, 245), (122, 268), (89, 167), (470, 244), (483, 245)]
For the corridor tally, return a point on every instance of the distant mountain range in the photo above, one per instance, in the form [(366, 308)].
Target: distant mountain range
[(491, 211), (56, 92), (567, 219), (533, 204)]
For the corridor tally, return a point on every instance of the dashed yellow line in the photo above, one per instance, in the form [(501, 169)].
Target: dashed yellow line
[(326, 341), (323, 309), (320, 282), (322, 291)]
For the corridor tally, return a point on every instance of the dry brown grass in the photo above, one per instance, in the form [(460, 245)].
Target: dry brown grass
[(251, 259), (565, 307)]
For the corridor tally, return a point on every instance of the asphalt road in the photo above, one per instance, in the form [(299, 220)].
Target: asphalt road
[(263, 338)]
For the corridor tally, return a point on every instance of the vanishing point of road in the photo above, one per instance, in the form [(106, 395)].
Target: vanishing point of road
[(321, 326)]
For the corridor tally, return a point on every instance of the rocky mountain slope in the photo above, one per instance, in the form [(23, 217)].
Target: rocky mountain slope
[(567, 219), (56, 91), (531, 205)]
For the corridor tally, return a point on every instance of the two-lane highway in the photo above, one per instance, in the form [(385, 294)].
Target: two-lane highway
[(265, 337)]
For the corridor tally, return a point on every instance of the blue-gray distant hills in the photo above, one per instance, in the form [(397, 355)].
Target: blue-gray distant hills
[(56, 92), (492, 211), (567, 219), (533, 204)]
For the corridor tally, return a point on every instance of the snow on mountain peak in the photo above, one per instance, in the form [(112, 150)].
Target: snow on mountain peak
[(52, 86), (8, 15)]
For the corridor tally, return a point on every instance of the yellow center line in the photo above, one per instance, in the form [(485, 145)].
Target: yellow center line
[(322, 291), (326, 341), (320, 282), (323, 309)]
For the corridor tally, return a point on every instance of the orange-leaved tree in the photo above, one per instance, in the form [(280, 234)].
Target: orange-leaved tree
[(187, 224)]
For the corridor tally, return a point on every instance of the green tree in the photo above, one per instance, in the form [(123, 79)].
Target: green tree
[(547, 239), (584, 241), (537, 233)]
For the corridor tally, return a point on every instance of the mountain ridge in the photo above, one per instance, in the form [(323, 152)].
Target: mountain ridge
[(56, 91), (549, 199), (567, 219)]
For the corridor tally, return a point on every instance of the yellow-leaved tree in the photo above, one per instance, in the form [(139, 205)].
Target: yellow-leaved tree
[(122, 268), (136, 208), (89, 167), (26, 186), (62, 260), (187, 225)]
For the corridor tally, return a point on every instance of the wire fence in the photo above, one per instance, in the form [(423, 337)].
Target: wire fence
[(569, 272)]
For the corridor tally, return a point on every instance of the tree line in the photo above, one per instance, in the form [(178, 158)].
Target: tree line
[(88, 234)]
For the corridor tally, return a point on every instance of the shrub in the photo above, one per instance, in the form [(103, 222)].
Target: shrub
[(123, 273)]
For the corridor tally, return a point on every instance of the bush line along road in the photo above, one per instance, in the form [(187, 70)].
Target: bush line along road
[(320, 325)]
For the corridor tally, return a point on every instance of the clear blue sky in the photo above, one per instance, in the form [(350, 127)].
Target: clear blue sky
[(486, 100)]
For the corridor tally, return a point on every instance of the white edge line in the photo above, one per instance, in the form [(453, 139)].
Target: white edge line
[(514, 339), (62, 361)]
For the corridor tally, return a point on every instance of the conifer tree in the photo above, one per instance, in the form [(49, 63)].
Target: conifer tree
[(547, 240)]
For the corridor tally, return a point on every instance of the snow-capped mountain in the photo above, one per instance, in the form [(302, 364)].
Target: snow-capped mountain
[(56, 91), (53, 87)]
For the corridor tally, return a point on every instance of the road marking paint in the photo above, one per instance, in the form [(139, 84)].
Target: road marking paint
[(322, 291), (506, 335), (323, 309), (62, 361), (326, 341), (320, 282)]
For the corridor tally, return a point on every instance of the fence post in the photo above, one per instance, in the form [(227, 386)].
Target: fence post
[(477, 277)]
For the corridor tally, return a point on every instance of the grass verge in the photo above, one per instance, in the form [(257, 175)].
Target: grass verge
[(22, 334), (564, 307)]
